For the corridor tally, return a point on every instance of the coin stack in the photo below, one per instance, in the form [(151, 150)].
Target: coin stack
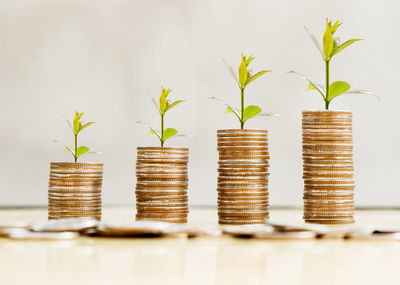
[(75, 190), (242, 176), (162, 182), (328, 167)]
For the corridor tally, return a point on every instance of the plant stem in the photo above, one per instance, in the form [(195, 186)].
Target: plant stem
[(76, 148), (327, 84), (162, 130), (242, 108)]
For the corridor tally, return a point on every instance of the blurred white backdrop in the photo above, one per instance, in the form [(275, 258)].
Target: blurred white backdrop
[(103, 57)]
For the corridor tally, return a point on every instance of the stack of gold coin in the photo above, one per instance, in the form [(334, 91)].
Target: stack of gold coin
[(162, 181), (328, 167), (242, 176), (75, 190)]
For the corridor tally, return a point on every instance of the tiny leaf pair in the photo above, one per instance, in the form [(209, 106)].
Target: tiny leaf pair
[(331, 47), (76, 127), (245, 77), (163, 106)]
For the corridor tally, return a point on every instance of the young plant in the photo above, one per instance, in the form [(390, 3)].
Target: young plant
[(245, 77), (331, 47), (76, 128), (163, 106)]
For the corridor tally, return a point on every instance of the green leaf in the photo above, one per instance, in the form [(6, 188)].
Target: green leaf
[(166, 92), (311, 87), (242, 74), (163, 104), (68, 149), (151, 130), (79, 115), (317, 87), (314, 39), (170, 106), (334, 27), (250, 112), (232, 109), (168, 133), (345, 45), (229, 110), (86, 125), (328, 43), (81, 150), (255, 76), (154, 132), (235, 112), (337, 88), (247, 61), (77, 124)]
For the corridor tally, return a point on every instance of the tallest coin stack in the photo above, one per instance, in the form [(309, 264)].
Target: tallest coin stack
[(242, 176), (328, 167)]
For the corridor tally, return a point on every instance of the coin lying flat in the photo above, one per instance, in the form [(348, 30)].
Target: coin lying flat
[(24, 234), (267, 232), (138, 228), (66, 224)]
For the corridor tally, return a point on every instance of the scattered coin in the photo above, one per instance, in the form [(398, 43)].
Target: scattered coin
[(65, 224)]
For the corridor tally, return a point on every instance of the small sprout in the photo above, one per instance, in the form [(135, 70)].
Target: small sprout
[(331, 47), (76, 127), (163, 106), (244, 78)]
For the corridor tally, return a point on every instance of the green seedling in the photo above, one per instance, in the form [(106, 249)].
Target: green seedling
[(78, 126), (331, 47), (163, 106), (245, 77)]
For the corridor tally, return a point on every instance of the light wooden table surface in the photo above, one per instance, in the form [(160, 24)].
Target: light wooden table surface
[(200, 260)]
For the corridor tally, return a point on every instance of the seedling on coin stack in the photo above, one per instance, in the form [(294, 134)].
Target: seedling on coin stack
[(163, 106), (162, 180), (245, 77), (76, 127), (328, 144), (75, 188), (243, 159), (331, 47)]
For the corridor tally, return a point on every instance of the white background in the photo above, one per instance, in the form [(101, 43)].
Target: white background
[(104, 57)]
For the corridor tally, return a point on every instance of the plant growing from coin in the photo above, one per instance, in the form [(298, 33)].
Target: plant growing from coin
[(78, 126), (245, 77), (331, 47), (163, 106)]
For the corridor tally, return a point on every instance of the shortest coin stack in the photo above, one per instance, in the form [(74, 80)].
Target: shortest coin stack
[(242, 176), (75, 190), (162, 181), (328, 167)]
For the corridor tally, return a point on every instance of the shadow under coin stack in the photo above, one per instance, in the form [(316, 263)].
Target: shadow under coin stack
[(242, 176), (328, 167), (162, 182), (75, 190)]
